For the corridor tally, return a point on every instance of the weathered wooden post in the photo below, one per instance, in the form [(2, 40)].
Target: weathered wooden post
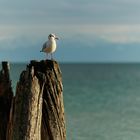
[(38, 112), (6, 96), (53, 122), (28, 107)]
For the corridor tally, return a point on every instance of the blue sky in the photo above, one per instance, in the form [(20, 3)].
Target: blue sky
[(89, 30)]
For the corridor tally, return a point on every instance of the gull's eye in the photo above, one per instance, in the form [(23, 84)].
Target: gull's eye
[(51, 35)]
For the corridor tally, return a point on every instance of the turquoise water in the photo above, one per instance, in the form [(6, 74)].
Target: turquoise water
[(102, 101)]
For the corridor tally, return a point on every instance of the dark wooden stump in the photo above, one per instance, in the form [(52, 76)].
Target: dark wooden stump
[(6, 96)]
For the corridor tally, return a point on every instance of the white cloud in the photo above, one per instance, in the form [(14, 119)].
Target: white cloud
[(120, 33), (112, 33), (129, 33)]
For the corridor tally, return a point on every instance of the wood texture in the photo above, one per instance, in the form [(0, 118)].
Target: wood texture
[(28, 107), (6, 96), (53, 122), (37, 110)]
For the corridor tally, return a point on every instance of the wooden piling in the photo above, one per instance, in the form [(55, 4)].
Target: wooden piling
[(53, 122), (28, 107), (6, 96), (37, 112)]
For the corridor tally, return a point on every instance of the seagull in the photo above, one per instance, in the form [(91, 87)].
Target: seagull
[(50, 45)]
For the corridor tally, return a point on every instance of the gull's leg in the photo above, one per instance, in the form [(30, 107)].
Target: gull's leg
[(47, 55), (51, 56)]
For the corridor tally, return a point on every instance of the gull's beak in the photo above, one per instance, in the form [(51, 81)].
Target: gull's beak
[(57, 38)]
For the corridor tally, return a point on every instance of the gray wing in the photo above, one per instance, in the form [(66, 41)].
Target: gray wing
[(45, 45)]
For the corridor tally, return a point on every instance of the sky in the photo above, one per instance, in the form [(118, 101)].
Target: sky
[(88, 30)]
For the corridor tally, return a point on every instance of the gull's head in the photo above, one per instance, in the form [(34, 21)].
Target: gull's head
[(52, 36)]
